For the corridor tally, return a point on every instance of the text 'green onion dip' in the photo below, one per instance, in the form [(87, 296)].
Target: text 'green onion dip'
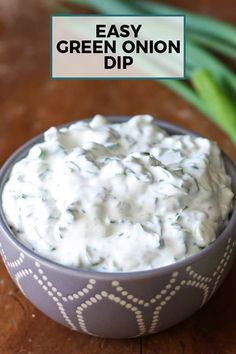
[(118, 197)]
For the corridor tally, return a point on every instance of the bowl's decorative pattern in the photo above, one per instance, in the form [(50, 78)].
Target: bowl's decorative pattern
[(115, 292)]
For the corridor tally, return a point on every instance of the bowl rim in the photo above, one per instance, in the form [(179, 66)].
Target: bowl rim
[(171, 129)]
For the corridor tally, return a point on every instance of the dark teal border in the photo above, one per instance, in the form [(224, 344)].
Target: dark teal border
[(117, 78)]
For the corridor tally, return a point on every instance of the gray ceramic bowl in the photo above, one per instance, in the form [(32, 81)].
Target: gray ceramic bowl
[(118, 305)]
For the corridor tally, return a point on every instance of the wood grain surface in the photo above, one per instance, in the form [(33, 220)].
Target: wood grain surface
[(30, 103)]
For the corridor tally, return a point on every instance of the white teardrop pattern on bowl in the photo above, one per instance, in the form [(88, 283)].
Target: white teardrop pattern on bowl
[(88, 297)]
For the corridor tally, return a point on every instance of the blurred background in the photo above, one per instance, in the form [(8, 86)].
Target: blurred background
[(30, 103)]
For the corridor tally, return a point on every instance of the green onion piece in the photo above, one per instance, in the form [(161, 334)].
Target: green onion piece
[(221, 107), (213, 43), (187, 93), (200, 58)]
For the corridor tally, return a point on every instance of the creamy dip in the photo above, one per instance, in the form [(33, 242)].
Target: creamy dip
[(118, 197)]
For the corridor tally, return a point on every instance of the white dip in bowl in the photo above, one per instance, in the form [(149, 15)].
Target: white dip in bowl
[(118, 197)]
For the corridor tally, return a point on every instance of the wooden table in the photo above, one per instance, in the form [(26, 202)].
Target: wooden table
[(29, 104)]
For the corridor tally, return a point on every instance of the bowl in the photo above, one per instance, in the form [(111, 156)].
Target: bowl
[(118, 305)]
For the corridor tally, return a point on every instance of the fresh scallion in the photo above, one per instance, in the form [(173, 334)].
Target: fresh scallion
[(218, 103)]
